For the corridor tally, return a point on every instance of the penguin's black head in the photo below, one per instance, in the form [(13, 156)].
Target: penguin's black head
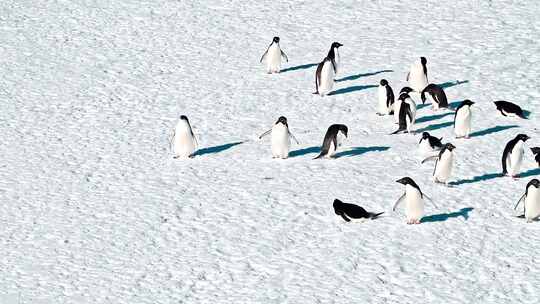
[(384, 82), (403, 96), (406, 181), (405, 90), (336, 204), (423, 60), (282, 119), (467, 102), (534, 182), (535, 150), (522, 137), (336, 45), (183, 117), (498, 104), (425, 135), (449, 146), (344, 130), (276, 39)]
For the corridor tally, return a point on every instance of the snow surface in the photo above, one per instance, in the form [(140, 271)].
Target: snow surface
[(96, 210)]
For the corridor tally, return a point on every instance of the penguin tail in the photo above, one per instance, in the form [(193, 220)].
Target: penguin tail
[(374, 215)]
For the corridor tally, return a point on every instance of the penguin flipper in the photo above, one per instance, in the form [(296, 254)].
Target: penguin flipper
[(293, 137), (264, 55), (519, 201), (265, 133), (398, 201), (431, 158), (408, 74), (374, 215), (344, 217), (284, 56)]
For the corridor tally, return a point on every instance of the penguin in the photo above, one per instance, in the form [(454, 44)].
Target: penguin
[(386, 98), (183, 140), (462, 119), (398, 102), (407, 114), (430, 143), (414, 201), (324, 77), (513, 155), (281, 138), (437, 94), (417, 76), (332, 140), (443, 164), (407, 90), (536, 152), (352, 212), (273, 56), (333, 54), (531, 200), (509, 109)]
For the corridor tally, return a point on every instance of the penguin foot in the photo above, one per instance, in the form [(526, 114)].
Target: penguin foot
[(176, 156)]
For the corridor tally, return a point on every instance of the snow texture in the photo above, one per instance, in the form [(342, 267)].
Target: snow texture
[(96, 210)]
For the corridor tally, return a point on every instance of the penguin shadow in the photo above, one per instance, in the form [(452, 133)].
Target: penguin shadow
[(352, 89), (526, 114), (475, 179), (464, 212), (216, 149), (300, 152), (354, 77), (435, 126), (491, 130), (433, 117), (299, 67), (530, 173), (360, 150), (450, 84), (453, 105)]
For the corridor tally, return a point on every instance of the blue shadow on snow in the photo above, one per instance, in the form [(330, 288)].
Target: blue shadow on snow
[(491, 130), (432, 117), (360, 150), (354, 77), (530, 173), (464, 212), (300, 152), (352, 89), (475, 179), (299, 67), (216, 149), (450, 84), (436, 126)]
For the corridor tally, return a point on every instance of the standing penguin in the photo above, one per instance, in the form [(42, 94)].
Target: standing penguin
[(281, 138), (430, 143), (513, 155), (397, 104), (332, 140), (333, 54), (414, 204), (324, 77), (531, 200), (437, 94), (462, 119), (386, 98), (443, 164), (273, 56), (407, 114), (352, 212), (183, 140), (536, 153), (509, 109), (417, 76)]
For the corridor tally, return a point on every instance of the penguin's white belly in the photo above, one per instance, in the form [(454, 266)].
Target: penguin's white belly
[(331, 150), (532, 204), (280, 141), (381, 106), (327, 78), (397, 106), (410, 122), (184, 144), (414, 206), (509, 114), (444, 167), (514, 160), (462, 126), (273, 59), (417, 78)]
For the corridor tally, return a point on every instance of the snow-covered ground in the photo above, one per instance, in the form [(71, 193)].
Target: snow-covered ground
[(96, 210)]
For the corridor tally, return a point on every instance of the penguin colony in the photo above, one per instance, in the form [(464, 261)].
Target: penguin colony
[(184, 143)]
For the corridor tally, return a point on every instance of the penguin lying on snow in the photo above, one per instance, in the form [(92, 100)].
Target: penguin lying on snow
[(437, 94), (332, 140), (414, 201), (536, 152), (531, 200), (513, 155), (443, 164), (430, 143), (281, 138), (273, 56), (509, 109), (183, 141), (352, 212)]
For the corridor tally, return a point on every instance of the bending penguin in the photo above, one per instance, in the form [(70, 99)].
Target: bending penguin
[(353, 212), (273, 56), (513, 155), (332, 140), (414, 201), (407, 114), (531, 200), (509, 109), (281, 138), (462, 119), (417, 76), (183, 140), (386, 98), (429, 143), (443, 164), (536, 153), (437, 94), (327, 70)]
